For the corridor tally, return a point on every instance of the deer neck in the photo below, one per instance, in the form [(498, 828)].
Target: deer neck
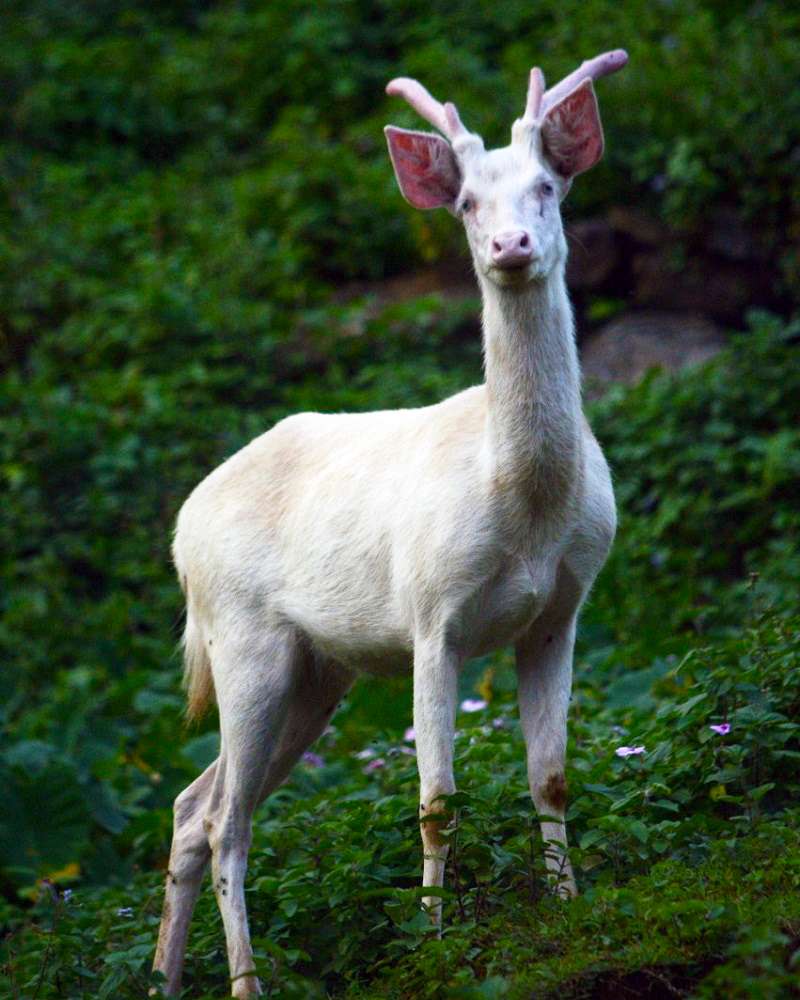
[(533, 428)]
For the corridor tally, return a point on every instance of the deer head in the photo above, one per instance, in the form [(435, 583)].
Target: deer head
[(508, 199)]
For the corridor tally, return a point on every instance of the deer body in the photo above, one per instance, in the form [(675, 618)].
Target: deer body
[(407, 539), (360, 531)]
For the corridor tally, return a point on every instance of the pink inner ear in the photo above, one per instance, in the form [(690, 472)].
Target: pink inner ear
[(572, 133), (425, 167)]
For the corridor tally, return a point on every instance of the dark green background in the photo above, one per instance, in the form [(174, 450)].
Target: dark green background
[(185, 191)]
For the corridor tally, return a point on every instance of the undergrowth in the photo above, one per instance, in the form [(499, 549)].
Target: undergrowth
[(190, 192), (685, 843)]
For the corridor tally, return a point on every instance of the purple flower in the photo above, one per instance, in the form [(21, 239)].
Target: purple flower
[(409, 735), (312, 759), (365, 754), (499, 722), (722, 729), (629, 751), (375, 765), (408, 751), (473, 705)]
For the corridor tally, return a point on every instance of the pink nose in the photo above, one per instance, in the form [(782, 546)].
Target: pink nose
[(512, 249)]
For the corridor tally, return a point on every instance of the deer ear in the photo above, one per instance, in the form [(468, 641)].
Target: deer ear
[(572, 135), (425, 166)]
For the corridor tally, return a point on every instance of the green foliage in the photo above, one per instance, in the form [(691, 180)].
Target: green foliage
[(684, 852), (186, 189), (672, 872), (706, 466), (167, 170)]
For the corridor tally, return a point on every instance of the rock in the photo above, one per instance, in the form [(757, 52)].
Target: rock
[(627, 347), (718, 288)]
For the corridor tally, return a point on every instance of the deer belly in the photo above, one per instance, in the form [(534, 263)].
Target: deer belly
[(507, 606)]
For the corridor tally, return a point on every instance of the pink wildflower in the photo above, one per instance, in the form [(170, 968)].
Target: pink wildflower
[(473, 705), (629, 751), (375, 765), (722, 729), (312, 759), (409, 735)]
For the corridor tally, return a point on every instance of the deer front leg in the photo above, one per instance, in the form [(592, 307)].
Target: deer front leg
[(435, 693), (544, 668)]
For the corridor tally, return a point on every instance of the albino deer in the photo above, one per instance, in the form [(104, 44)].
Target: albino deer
[(342, 543)]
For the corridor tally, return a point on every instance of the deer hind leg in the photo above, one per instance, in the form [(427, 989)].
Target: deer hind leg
[(187, 862), (318, 688), (254, 680), (544, 668), (272, 707)]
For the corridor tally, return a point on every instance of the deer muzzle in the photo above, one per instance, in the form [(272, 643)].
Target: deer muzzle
[(512, 251)]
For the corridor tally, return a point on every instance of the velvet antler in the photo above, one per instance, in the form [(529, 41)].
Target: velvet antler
[(540, 101), (444, 117), (590, 69)]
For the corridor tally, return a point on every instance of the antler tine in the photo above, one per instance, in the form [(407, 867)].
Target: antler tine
[(590, 69), (535, 94), (444, 117)]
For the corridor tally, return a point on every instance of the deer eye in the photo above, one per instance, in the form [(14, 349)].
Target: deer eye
[(547, 189), (466, 205)]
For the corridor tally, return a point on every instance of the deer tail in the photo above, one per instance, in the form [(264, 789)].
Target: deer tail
[(197, 676)]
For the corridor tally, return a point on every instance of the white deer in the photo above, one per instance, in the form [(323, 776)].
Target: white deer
[(341, 543)]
